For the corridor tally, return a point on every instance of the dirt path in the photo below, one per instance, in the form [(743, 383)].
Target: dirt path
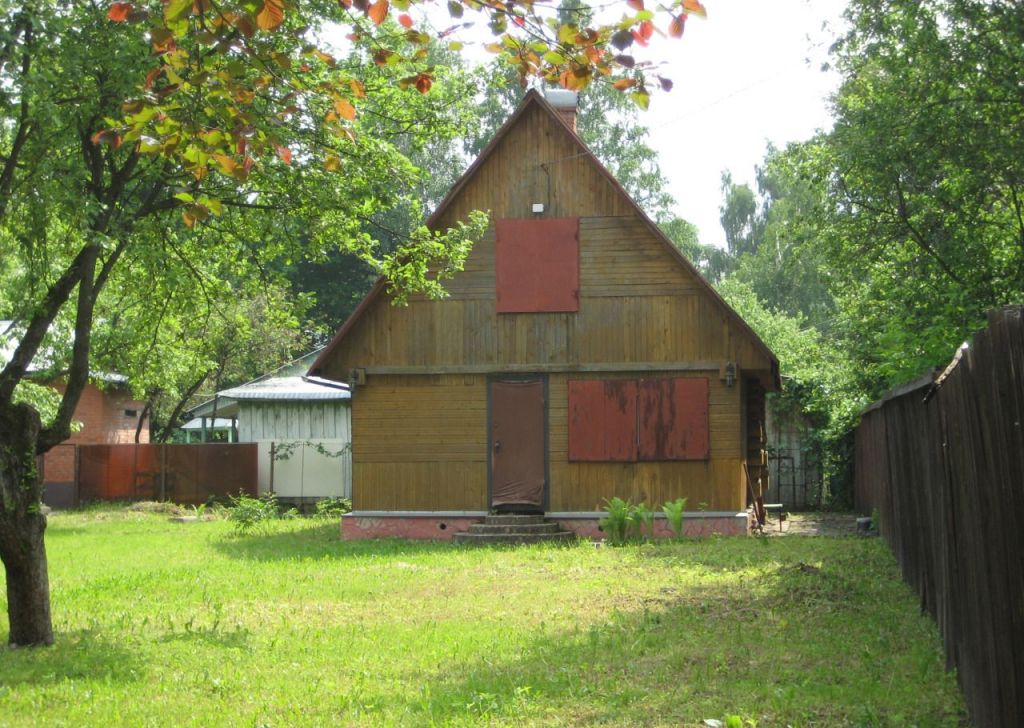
[(812, 524)]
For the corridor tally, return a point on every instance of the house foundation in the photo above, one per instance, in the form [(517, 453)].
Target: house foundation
[(443, 525)]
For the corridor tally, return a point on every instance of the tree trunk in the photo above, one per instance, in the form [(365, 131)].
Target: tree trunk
[(21, 529)]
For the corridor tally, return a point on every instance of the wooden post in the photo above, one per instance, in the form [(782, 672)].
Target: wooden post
[(272, 451), (163, 471)]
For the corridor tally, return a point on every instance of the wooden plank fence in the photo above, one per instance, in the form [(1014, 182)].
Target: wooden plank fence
[(188, 474), (942, 460)]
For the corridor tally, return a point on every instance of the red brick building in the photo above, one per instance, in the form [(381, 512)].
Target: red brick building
[(107, 416)]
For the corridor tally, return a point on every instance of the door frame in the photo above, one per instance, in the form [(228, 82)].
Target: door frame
[(519, 377)]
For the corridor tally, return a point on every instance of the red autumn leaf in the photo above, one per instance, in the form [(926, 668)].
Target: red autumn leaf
[(163, 40), (694, 7), (345, 4), (245, 26), (643, 32), (378, 11), (271, 16), (405, 20), (151, 76), (635, 4), (358, 89), (119, 12), (381, 56), (284, 153), (107, 136), (623, 83), (423, 82), (345, 109), (676, 27)]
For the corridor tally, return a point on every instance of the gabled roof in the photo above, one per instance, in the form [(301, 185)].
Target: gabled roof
[(285, 382), (535, 98)]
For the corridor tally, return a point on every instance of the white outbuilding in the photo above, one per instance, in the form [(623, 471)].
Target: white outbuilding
[(303, 428)]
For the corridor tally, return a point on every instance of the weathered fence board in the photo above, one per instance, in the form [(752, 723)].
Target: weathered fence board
[(943, 463), (180, 473)]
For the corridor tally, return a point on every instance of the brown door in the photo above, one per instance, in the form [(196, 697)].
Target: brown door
[(518, 455)]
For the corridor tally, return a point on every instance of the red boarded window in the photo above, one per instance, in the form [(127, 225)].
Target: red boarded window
[(602, 420), (537, 265), (672, 419), (628, 420)]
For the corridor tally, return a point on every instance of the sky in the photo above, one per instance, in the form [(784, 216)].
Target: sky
[(749, 74)]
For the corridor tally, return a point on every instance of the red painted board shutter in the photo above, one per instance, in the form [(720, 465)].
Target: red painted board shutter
[(602, 421), (673, 419), (537, 265)]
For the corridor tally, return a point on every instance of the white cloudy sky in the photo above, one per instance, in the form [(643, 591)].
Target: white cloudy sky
[(749, 74)]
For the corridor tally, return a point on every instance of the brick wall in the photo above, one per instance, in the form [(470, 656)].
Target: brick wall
[(103, 418)]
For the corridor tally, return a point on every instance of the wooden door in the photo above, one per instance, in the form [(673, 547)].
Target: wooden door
[(517, 440)]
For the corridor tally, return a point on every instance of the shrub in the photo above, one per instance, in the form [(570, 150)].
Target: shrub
[(333, 507), (249, 514)]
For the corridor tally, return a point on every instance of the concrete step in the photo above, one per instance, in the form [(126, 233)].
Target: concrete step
[(511, 519), (515, 538), (523, 528)]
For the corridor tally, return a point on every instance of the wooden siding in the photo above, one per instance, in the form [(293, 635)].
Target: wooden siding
[(637, 305), (421, 444)]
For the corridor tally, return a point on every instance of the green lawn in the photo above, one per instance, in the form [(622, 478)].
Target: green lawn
[(187, 624)]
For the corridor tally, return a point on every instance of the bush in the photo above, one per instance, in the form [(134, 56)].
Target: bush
[(249, 514), (333, 507)]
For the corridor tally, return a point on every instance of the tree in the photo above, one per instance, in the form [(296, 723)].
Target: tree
[(86, 219), (924, 171), (242, 126), (714, 263)]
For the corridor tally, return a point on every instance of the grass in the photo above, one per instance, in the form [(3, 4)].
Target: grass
[(188, 624)]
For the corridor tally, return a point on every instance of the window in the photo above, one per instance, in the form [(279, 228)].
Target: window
[(628, 420), (537, 265), (602, 420), (131, 413)]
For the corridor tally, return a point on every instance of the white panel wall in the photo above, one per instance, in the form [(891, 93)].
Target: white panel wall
[(306, 473)]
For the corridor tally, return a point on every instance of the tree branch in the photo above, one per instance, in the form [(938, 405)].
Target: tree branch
[(78, 374), (919, 239), (24, 125)]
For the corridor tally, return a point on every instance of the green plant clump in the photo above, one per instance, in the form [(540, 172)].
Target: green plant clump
[(333, 507), (250, 514), (674, 511)]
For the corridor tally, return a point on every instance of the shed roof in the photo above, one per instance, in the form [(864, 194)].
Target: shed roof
[(289, 388)]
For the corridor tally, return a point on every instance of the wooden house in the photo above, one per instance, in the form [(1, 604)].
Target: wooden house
[(578, 357)]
